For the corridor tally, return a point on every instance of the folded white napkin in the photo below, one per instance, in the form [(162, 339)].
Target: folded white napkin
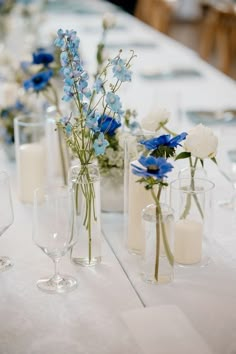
[(164, 330)]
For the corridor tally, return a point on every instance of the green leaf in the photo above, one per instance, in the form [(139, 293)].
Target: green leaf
[(214, 160), (183, 155), (202, 162)]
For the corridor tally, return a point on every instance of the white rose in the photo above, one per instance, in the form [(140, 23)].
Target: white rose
[(158, 116), (201, 142), (108, 21), (10, 92)]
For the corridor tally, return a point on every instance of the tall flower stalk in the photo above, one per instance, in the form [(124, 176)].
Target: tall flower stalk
[(84, 131), (153, 169)]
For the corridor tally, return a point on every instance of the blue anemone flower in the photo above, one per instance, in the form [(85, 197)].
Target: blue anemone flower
[(42, 57), (38, 81), (108, 125), (152, 167), (163, 140)]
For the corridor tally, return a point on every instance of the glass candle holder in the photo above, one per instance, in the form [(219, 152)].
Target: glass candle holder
[(192, 201), (31, 157)]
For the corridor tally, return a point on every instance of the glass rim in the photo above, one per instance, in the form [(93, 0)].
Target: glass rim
[(19, 120), (170, 210), (211, 185)]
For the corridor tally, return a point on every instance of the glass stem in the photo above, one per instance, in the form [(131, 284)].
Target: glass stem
[(56, 277)]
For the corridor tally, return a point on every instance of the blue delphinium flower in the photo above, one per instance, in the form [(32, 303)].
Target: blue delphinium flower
[(98, 85), (120, 70), (39, 81), (100, 145), (163, 140), (113, 102), (108, 125), (92, 122), (42, 57), (152, 167)]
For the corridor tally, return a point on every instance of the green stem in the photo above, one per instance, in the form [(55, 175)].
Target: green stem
[(160, 223), (162, 125), (189, 195)]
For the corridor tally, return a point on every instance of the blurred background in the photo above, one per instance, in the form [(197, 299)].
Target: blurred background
[(206, 26)]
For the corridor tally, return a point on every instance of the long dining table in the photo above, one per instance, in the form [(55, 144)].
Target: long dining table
[(99, 316)]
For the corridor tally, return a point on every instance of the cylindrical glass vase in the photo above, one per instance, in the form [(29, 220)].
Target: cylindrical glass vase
[(112, 190), (136, 197), (58, 154), (30, 145), (157, 260), (85, 181), (192, 201)]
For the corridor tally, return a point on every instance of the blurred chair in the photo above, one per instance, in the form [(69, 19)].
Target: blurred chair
[(156, 13), (219, 32)]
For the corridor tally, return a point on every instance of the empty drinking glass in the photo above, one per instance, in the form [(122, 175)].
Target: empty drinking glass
[(6, 214), (54, 232)]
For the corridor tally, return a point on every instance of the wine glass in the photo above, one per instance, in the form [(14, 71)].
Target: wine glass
[(6, 214), (54, 232)]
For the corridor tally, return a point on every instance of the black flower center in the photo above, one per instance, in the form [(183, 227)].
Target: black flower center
[(152, 168), (37, 80)]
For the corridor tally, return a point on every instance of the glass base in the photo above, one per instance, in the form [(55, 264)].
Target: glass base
[(57, 285), (228, 204), (203, 263), (162, 279), (5, 264), (85, 262)]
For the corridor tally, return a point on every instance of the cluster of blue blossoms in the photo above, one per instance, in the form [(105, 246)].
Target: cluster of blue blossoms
[(76, 88), (155, 164)]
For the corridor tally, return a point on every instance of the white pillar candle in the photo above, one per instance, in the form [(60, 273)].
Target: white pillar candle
[(188, 241), (31, 170), (138, 199)]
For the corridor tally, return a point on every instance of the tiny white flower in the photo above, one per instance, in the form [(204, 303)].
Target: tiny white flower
[(108, 21), (201, 142), (157, 117)]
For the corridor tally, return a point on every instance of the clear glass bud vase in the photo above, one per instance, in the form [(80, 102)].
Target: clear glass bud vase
[(136, 197), (85, 181), (157, 260), (191, 198)]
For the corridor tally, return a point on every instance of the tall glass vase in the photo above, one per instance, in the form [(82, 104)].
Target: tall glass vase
[(136, 197), (157, 261), (85, 181), (192, 201)]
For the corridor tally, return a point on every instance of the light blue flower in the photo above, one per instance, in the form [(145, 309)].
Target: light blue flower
[(113, 102), (92, 122), (120, 70), (100, 145), (64, 59), (98, 85)]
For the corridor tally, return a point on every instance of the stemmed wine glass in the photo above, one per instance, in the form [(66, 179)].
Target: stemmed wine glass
[(54, 232), (6, 214)]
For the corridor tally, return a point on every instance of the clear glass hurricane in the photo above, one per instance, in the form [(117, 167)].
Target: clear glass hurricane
[(226, 159), (54, 232), (6, 214), (230, 174)]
